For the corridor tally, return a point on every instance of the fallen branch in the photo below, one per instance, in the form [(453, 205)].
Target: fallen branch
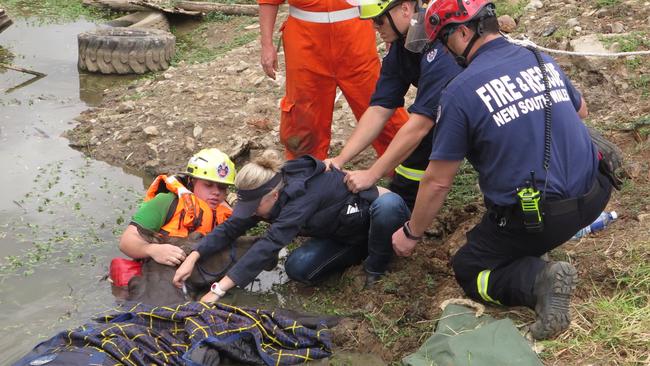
[(229, 9), (119, 5), (20, 69)]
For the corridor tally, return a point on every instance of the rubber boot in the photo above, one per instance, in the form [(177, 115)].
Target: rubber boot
[(554, 286)]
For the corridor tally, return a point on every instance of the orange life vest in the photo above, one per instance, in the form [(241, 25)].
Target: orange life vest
[(187, 213)]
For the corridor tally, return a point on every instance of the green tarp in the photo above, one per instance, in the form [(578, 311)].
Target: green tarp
[(462, 339)]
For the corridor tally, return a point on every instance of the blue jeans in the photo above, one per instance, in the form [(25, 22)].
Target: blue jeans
[(319, 257)]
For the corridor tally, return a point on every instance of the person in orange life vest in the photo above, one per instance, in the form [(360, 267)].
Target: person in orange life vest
[(326, 45), (176, 206)]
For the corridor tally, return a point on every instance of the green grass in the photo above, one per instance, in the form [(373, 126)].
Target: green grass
[(606, 3), (613, 326), (54, 10), (465, 189), (192, 48), (515, 10), (634, 41)]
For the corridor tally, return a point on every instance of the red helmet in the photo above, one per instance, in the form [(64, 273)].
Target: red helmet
[(443, 12)]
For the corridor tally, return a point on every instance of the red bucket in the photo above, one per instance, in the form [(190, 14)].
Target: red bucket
[(122, 270)]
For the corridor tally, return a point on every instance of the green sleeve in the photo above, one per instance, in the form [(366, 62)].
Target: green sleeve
[(151, 214)]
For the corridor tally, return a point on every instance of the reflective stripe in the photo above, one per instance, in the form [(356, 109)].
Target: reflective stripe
[(482, 285), (324, 16), (409, 173)]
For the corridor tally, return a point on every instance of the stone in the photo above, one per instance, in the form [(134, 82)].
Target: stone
[(589, 43), (507, 24), (603, 13), (197, 132), (577, 29), (572, 22), (150, 131), (534, 5), (190, 144), (617, 27), (125, 107)]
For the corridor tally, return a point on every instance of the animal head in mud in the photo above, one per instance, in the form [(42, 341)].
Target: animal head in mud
[(154, 286)]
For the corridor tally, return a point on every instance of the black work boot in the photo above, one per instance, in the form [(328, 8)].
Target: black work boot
[(554, 286), (371, 279)]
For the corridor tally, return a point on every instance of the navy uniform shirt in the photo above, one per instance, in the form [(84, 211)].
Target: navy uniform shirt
[(430, 72), (493, 114)]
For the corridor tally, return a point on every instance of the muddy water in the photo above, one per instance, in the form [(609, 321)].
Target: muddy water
[(59, 212)]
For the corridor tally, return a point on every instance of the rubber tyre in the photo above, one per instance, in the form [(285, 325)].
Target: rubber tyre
[(125, 50), (5, 21), (142, 19)]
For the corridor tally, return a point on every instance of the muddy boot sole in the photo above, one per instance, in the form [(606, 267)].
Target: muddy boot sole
[(553, 289)]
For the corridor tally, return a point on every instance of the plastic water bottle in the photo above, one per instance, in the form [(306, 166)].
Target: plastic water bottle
[(599, 224)]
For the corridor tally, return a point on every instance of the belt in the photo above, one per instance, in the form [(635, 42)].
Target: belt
[(559, 207), (574, 204), (324, 16), (409, 173)]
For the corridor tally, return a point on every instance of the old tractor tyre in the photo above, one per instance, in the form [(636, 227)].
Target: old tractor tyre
[(5, 21), (125, 50), (142, 19)]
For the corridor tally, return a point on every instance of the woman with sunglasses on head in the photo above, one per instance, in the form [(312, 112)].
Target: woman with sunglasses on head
[(176, 206), (410, 60), (300, 198)]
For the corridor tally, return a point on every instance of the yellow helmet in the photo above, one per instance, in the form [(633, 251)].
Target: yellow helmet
[(369, 9), (213, 165)]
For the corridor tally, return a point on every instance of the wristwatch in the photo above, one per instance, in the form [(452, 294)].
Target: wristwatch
[(407, 232), (216, 289)]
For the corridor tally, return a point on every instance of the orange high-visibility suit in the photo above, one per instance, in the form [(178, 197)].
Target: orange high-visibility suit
[(326, 45)]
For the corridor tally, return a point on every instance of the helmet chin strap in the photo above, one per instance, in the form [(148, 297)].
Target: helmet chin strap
[(400, 35), (462, 59)]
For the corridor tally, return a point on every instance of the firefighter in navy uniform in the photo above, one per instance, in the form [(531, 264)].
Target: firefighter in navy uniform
[(429, 69), (538, 167)]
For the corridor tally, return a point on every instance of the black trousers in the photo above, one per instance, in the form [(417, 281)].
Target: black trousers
[(499, 263)]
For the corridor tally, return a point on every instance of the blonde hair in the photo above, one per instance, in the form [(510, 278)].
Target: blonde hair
[(261, 170)]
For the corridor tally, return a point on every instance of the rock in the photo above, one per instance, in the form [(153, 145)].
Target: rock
[(170, 123), (197, 132), (572, 22), (241, 66), (150, 131), (589, 43), (125, 107), (507, 24), (617, 27), (190, 144), (168, 75), (603, 13), (259, 80), (548, 31), (154, 163), (534, 5), (577, 29)]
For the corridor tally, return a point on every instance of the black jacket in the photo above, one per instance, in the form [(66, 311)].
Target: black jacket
[(310, 204)]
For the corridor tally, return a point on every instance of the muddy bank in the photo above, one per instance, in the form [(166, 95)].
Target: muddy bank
[(156, 123)]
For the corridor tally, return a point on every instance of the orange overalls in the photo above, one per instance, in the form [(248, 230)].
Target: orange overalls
[(322, 51)]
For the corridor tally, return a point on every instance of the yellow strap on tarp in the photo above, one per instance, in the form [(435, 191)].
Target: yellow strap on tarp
[(409, 173)]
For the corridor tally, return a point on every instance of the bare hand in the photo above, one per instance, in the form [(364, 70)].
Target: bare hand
[(269, 61), (167, 254), (359, 180), (210, 297), (402, 245), (182, 273), (331, 163)]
